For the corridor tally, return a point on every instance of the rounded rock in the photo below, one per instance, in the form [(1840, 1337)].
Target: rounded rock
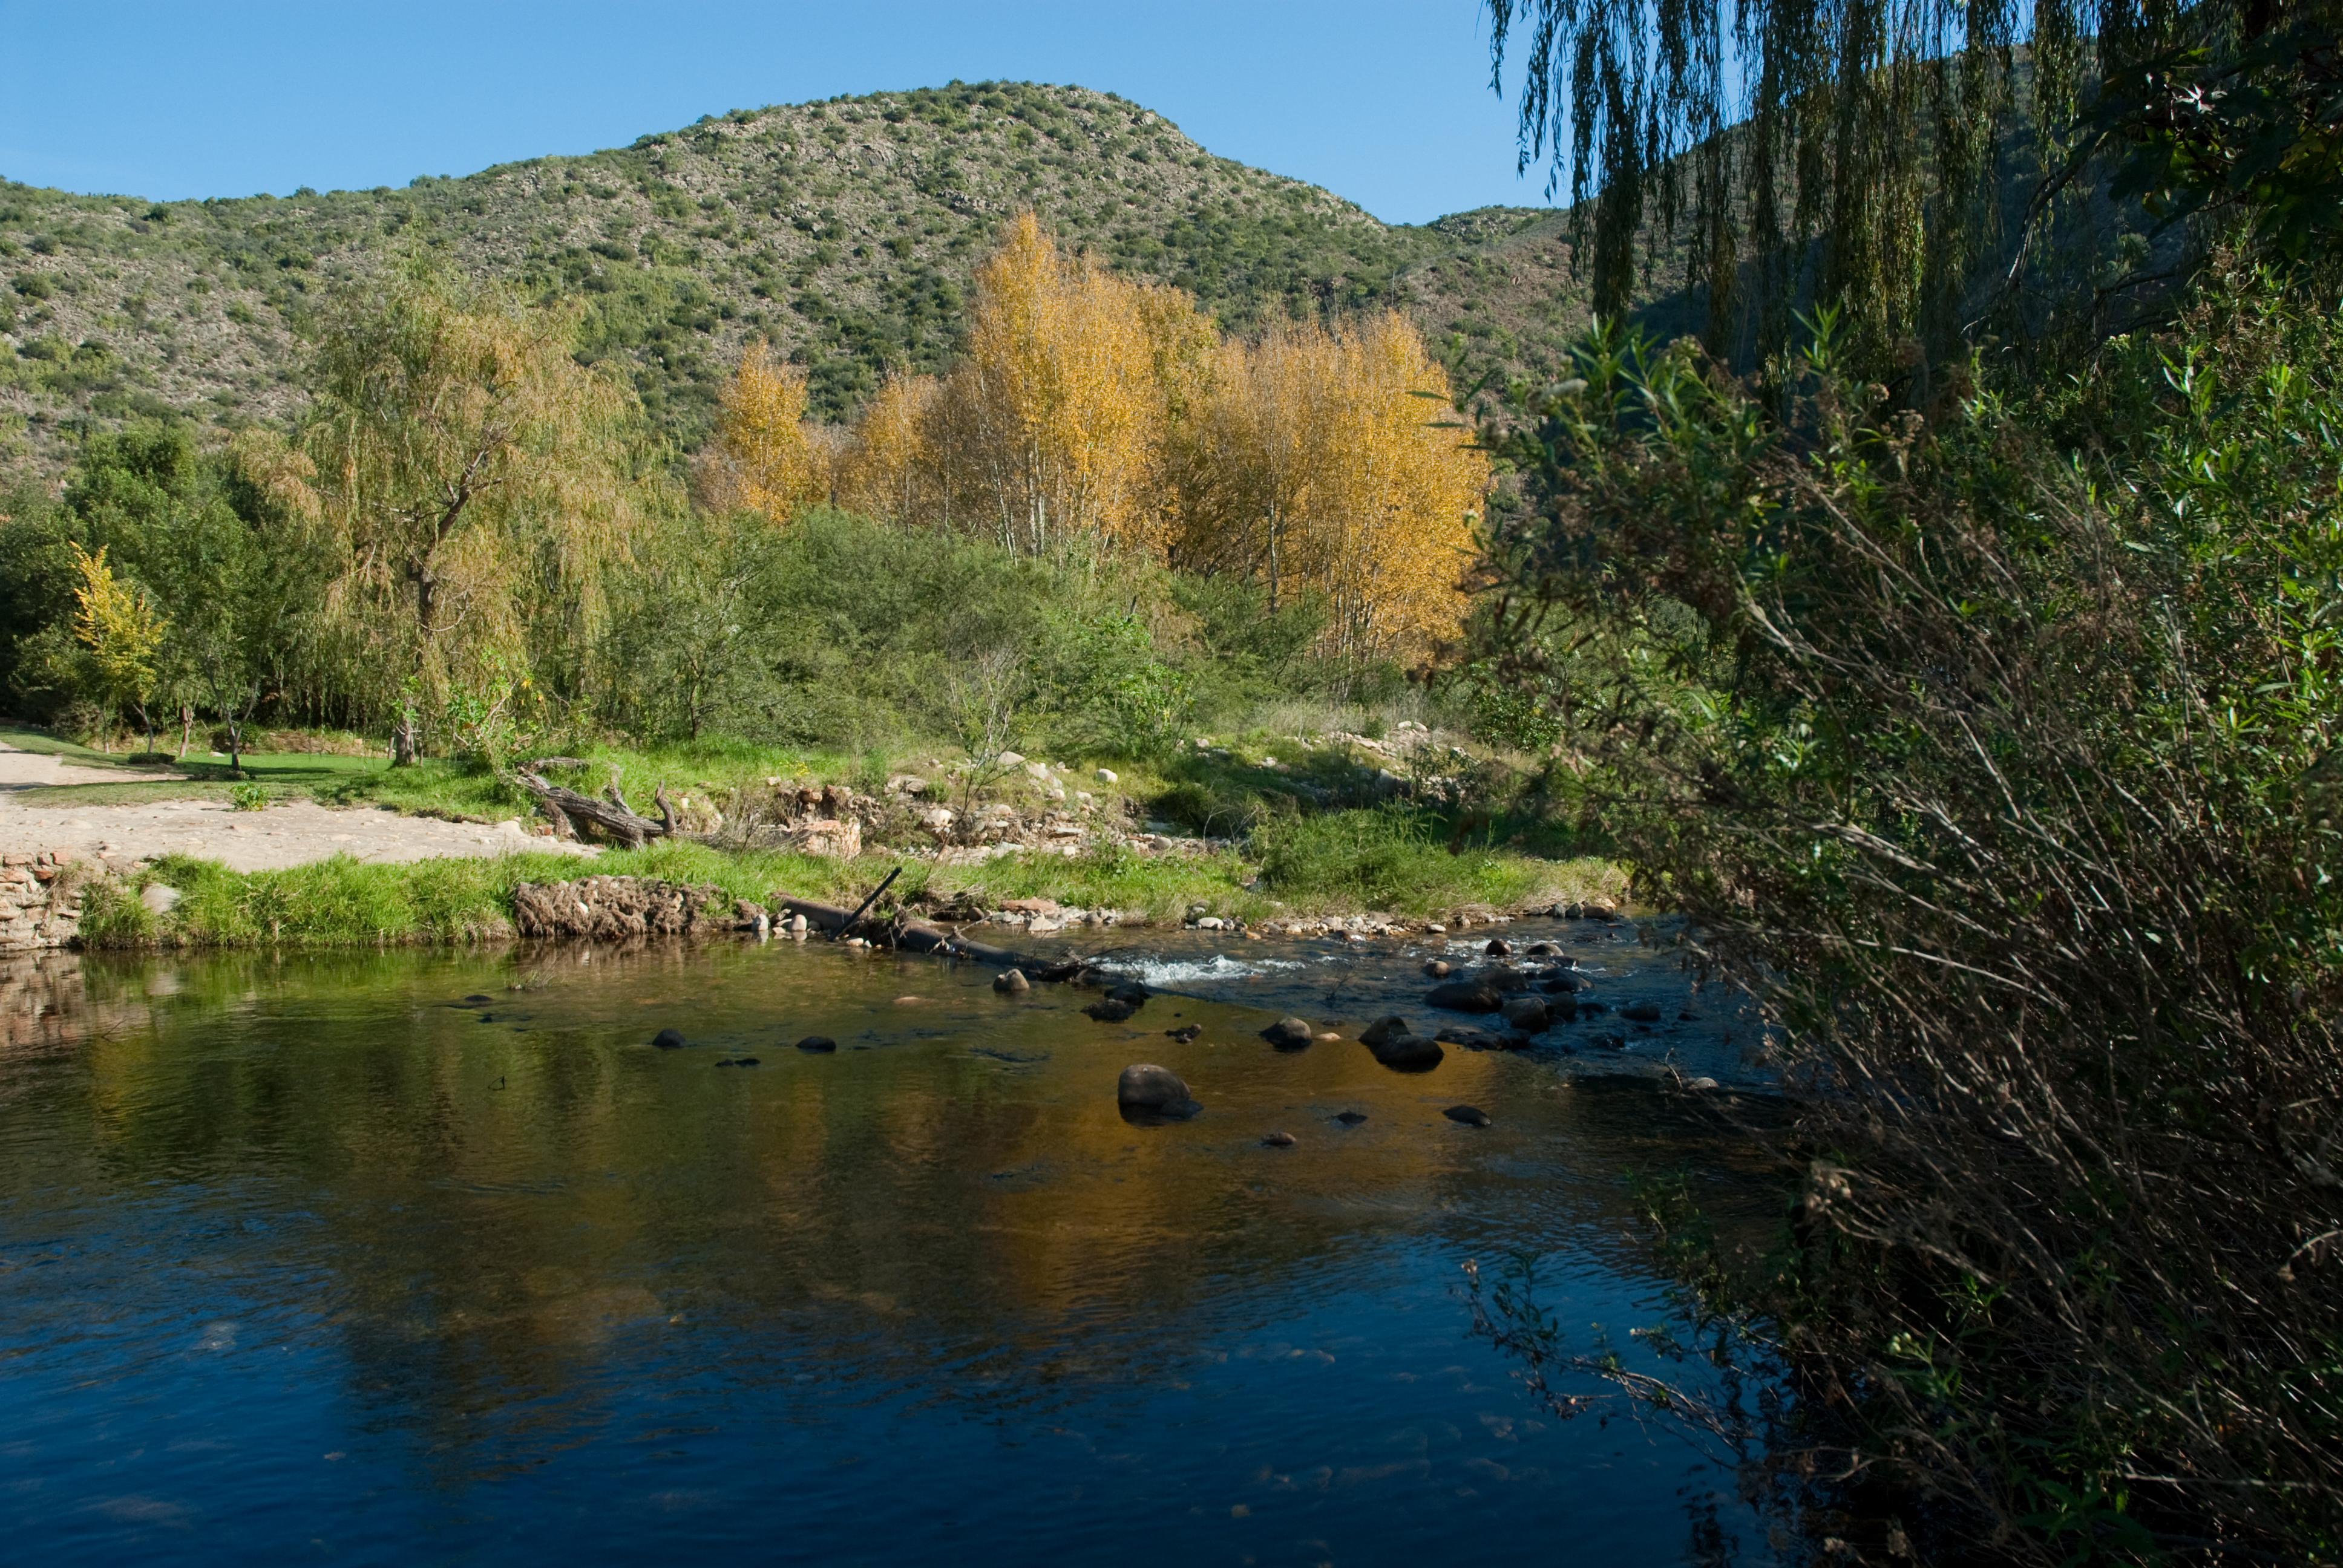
[(818, 1042), (669, 1039), (1469, 1115), (1012, 983), (1289, 1034)]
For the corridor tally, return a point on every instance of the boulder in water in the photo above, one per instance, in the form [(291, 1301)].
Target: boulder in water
[(1106, 1010), (1528, 1014), (1012, 983), (1436, 968), (1278, 1140), (1130, 991), (1349, 1118), (1152, 1091), (1389, 1027), (1641, 1013), (1288, 1034), (816, 1042), (1465, 995), (1470, 1115), (669, 1039), (1408, 1053)]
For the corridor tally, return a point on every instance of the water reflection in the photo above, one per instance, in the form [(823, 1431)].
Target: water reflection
[(346, 1254)]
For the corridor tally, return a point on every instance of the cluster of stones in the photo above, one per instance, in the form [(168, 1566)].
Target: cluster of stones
[(40, 899)]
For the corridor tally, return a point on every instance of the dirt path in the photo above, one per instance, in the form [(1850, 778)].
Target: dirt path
[(289, 833)]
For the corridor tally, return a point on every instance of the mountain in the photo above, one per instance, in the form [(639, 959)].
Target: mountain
[(844, 231)]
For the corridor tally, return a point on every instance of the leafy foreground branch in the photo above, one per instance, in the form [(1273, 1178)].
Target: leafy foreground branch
[(1997, 751)]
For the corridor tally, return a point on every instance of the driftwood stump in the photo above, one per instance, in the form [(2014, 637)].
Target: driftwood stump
[(566, 807)]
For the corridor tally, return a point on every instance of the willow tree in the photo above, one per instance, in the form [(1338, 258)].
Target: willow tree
[(481, 483), (1912, 162)]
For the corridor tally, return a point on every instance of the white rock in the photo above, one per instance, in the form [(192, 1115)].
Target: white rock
[(158, 899), (1107, 776), (1012, 759)]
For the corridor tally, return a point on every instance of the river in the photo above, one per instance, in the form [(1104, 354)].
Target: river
[(430, 1255)]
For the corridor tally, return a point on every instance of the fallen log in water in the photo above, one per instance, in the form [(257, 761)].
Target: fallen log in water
[(923, 936)]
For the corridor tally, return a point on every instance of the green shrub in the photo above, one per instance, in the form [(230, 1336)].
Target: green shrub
[(1997, 753)]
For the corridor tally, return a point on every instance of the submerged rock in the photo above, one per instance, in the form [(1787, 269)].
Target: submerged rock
[(816, 1042), (1288, 1034), (1186, 1031), (1349, 1118), (1641, 1013), (1470, 1115), (1106, 1010), (669, 1039), (1130, 991)]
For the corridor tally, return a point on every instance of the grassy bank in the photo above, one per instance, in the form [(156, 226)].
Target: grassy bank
[(345, 902)]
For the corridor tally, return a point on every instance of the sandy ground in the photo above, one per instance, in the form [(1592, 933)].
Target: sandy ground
[(289, 833)]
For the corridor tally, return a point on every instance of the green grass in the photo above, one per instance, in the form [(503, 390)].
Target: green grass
[(343, 902)]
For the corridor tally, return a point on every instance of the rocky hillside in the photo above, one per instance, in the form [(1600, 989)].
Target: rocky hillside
[(844, 231)]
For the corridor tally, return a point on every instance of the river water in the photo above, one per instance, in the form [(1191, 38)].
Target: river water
[(430, 1256)]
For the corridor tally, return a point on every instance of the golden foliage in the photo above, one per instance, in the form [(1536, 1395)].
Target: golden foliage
[(765, 461), (118, 623), (1318, 465), (1091, 408)]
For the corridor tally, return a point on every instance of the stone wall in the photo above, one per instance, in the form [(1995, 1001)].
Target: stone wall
[(40, 899)]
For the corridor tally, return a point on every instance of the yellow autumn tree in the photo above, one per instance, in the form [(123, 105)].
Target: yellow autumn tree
[(118, 623), (889, 468), (1318, 465), (765, 461), (1049, 429)]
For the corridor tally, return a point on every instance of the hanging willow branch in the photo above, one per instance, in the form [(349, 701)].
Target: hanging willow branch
[(1882, 156)]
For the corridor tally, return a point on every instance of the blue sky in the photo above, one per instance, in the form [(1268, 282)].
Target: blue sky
[(1385, 102)]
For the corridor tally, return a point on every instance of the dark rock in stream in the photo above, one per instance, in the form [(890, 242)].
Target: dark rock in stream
[(1130, 991), (816, 1042), (1349, 1118), (1498, 947), (1288, 1034), (1641, 1013), (1464, 996), (1470, 1115), (1108, 1011), (476, 1000), (1408, 1053), (1146, 1090), (1528, 1014), (1186, 1031), (1436, 968), (1391, 1026), (669, 1039)]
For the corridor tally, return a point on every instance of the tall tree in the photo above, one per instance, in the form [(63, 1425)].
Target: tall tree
[(480, 479), (115, 619)]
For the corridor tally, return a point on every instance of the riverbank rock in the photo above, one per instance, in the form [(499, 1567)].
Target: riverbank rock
[(1154, 1091), (608, 908), (1465, 995), (1288, 1034), (1469, 1115)]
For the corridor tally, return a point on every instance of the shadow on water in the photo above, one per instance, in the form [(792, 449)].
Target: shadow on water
[(353, 1256)]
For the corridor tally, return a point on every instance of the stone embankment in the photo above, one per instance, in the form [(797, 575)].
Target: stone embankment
[(40, 899)]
